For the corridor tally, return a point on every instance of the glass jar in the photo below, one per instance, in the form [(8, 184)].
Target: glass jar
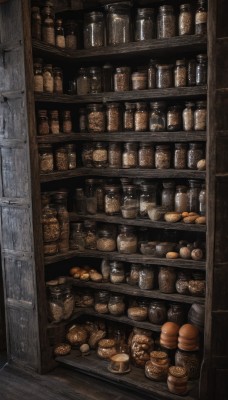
[(68, 302), (48, 78), (79, 201), (193, 195), (95, 118), (201, 70), (144, 24), (189, 360), (55, 304), (146, 155), (174, 122), (176, 314), (47, 29), (180, 156), (166, 22), (195, 154), (122, 79), (116, 305), (182, 283), (168, 195), (197, 285), (61, 159), (118, 24), (58, 80), (114, 155), (60, 200), (107, 78), (141, 346), (82, 120), (90, 235), (130, 156), (117, 273), (139, 80), (46, 160), (95, 79), (113, 117), (112, 200), (50, 225), (177, 380), (101, 302), (71, 36), (36, 23), (93, 30), (54, 122), (127, 240), (181, 199), (201, 18), (43, 125), (87, 154), (164, 76), (157, 116), (185, 21), (134, 274), (105, 270), (100, 155), (59, 34), (180, 74), (162, 156), (202, 200), (106, 241), (128, 117), (38, 76), (147, 199), (191, 72), (100, 194), (146, 278), (167, 280), (157, 313), (83, 82), (72, 86), (152, 74), (200, 116), (71, 153), (188, 117), (129, 199), (141, 117), (67, 122), (90, 196)]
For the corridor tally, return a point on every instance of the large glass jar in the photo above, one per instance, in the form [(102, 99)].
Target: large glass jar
[(182, 282), (176, 314), (71, 35), (168, 195), (60, 200), (82, 119), (180, 156), (197, 285), (61, 158), (141, 117), (144, 24), (43, 125), (117, 273), (139, 80), (58, 80), (134, 274), (112, 200), (180, 74), (166, 22), (174, 122), (141, 346), (48, 78), (93, 30), (130, 156), (100, 155), (114, 117), (185, 21), (164, 76), (200, 116), (83, 82), (157, 116), (77, 240), (114, 155), (95, 79), (189, 360), (46, 160), (177, 380), (122, 79), (95, 118), (162, 156), (38, 76), (167, 280), (116, 305), (195, 154), (181, 199), (152, 74), (201, 18), (157, 312), (146, 155), (68, 302), (66, 122), (55, 304), (188, 117), (101, 302), (90, 235), (48, 30), (202, 200), (54, 122), (127, 240), (87, 154), (107, 78), (147, 198), (106, 240), (59, 34), (146, 277), (50, 225), (193, 195), (90, 196), (201, 70), (36, 23), (118, 24)]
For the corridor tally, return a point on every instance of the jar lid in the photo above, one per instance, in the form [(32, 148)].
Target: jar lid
[(180, 62), (178, 372), (185, 7), (94, 15), (148, 186), (141, 144), (123, 70), (53, 282), (126, 228), (189, 104), (102, 293), (112, 188), (201, 103), (129, 106), (118, 7), (168, 184), (113, 105), (163, 147), (181, 146), (181, 188), (90, 224), (100, 145), (157, 303), (42, 113), (139, 74), (194, 183), (164, 66), (45, 147), (195, 145), (95, 107), (48, 66), (60, 196), (70, 147), (165, 8), (201, 57), (174, 107), (130, 145), (116, 263), (116, 297), (144, 12), (141, 105), (157, 104), (59, 21)]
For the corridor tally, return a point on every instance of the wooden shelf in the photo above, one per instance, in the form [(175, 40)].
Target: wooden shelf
[(156, 137), (133, 258), (101, 217)]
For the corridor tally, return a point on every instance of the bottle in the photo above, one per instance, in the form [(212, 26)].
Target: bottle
[(38, 75), (157, 116), (48, 30), (188, 117), (43, 125), (201, 70), (83, 82), (59, 34), (201, 18), (67, 122), (54, 122)]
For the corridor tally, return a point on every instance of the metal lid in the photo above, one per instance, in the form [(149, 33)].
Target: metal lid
[(145, 12)]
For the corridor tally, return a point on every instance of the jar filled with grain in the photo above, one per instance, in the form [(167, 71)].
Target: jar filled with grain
[(100, 155), (201, 70), (79, 201), (114, 117), (193, 195), (55, 304), (71, 35), (127, 240), (181, 199), (43, 125), (176, 314), (90, 196), (202, 200), (61, 158), (200, 116), (67, 122), (201, 18), (185, 21), (107, 78), (90, 235), (174, 120), (77, 239), (195, 154), (38, 75), (83, 82), (82, 120), (146, 155), (50, 225), (134, 274), (197, 285), (180, 74), (188, 116), (112, 200), (87, 154), (141, 117), (151, 74), (167, 280), (46, 160), (95, 118), (116, 305), (146, 278), (72, 158), (168, 195), (48, 78), (59, 34), (93, 30), (114, 155), (118, 24), (100, 193), (122, 79), (162, 156), (60, 200), (164, 76), (95, 79), (101, 302), (139, 80), (128, 117), (182, 281), (157, 312), (117, 273), (180, 156), (36, 23), (166, 22), (58, 80), (106, 241), (157, 116), (147, 198), (144, 24), (48, 30), (130, 156), (54, 122)]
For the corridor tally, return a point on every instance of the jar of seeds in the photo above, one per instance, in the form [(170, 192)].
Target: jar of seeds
[(67, 122), (146, 278), (144, 24), (164, 76), (180, 156), (83, 82), (157, 116), (197, 285), (114, 155), (122, 79), (117, 273), (59, 34), (118, 24), (71, 35), (181, 199), (50, 225), (61, 158), (167, 280), (201, 18), (82, 120), (101, 302), (162, 156), (46, 160), (128, 117), (129, 198), (152, 74), (90, 235), (188, 117), (95, 79), (106, 240), (185, 21), (174, 121), (58, 80), (202, 200), (176, 314), (141, 117), (112, 200), (130, 156), (180, 74), (200, 116), (201, 70), (139, 80), (195, 154), (87, 155), (114, 117), (48, 78), (38, 76), (127, 240), (54, 122), (100, 155), (166, 22), (146, 155), (193, 195), (43, 125), (93, 30), (168, 195), (71, 153), (116, 305), (147, 198), (95, 118)]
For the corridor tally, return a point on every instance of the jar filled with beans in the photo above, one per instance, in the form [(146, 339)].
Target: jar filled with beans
[(130, 156), (188, 117), (116, 305), (128, 117), (141, 117), (112, 200), (185, 21), (164, 76), (180, 156), (181, 199), (127, 240), (174, 120), (100, 155), (167, 280), (180, 74), (157, 116), (176, 314), (95, 118), (195, 154), (166, 22), (200, 116), (162, 156), (114, 117), (122, 79), (61, 158), (157, 312), (146, 155), (114, 155), (46, 159)]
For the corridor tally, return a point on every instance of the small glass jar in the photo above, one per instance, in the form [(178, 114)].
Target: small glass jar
[(46, 159), (116, 305), (202, 200), (180, 156), (113, 117), (83, 82), (38, 76), (107, 78), (141, 117), (100, 155), (191, 72), (167, 280), (117, 273), (200, 116), (87, 155), (134, 274), (106, 241), (157, 313), (193, 195), (90, 235), (55, 304), (122, 79), (82, 120), (189, 360), (79, 201), (182, 283), (128, 117), (71, 153), (201, 70), (168, 195), (177, 380), (146, 155), (139, 80), (118, 24), (50, 225), (90, 196), (112, 200), (185, 21), (100, 194), (127, 240), (176, 314), (147, 198), (67, 122), (180, 74), (188, 117), (146, 278), (93, 30), (166, 22), (144, 24), (152, 74), (95, 79), (101, 302), (181, 199), (174, 122), (71, 35), (162, 156), (95, 118), (43, 125), (114, 155), (68, 302), (61, 158), (48, 30), (164, 76), (157, 116), (58, 80), (54, 122), (59, 34), (105, 270), (60, 200), (48, 78), (195, 154), (36, 23), (201, 18), (197, 285), (130, 156), (129, 199)]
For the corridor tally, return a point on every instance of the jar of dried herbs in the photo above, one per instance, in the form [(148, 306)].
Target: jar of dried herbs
[(61, 158), (185, 21), (112, 200), (114, 155), (166, 22)]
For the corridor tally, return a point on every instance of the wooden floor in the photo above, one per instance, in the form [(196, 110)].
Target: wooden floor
[(60, 384)]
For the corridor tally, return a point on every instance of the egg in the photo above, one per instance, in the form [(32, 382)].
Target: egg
[(189, 331), (170, 329), (84, 348)]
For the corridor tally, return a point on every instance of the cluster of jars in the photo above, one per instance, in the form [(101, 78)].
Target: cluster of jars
[(60, 300), (118, 25), (141, 117), (53, 122), (60, 158), (47, 78), (55, 223)]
